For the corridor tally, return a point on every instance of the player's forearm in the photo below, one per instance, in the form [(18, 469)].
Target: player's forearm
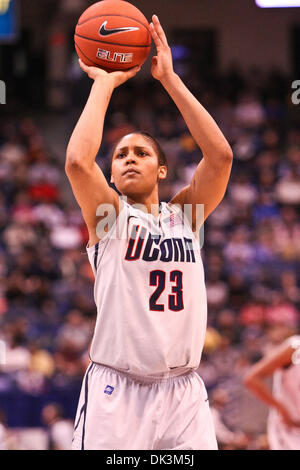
[(87, 135), (258, 387), (202, 126)]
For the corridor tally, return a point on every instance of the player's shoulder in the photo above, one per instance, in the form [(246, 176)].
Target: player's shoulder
[(172, 209), (293, 342), (186, 217), (171, 206)]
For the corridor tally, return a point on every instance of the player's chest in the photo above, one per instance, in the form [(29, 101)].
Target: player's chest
[(165, 240)]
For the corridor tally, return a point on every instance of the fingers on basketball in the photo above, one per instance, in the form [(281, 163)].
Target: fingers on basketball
[(159, 31), (84, 67), (126, 74), (132, 72), (155, 36)]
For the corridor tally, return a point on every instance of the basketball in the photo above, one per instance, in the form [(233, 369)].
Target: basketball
[(112, 35)]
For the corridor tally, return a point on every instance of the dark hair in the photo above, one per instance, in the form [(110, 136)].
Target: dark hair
[(162, 159)]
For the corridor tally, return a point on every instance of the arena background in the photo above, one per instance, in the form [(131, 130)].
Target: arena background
[(240, 61)]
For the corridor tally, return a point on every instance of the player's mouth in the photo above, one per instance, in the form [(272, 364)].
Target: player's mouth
[(131, 171)]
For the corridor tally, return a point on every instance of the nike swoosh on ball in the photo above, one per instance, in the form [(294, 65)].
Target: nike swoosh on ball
[(108, 32)]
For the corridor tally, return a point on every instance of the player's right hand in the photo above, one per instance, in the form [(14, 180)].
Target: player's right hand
[(287, 418), (116, 78)]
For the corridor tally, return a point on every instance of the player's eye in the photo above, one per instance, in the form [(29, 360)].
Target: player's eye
[(121, 155), (142, 153)]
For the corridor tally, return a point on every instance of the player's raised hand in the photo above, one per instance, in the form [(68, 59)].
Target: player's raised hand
[(162, 62), (116, 78)]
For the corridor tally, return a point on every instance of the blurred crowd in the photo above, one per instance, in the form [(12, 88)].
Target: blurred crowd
[(251, 249)]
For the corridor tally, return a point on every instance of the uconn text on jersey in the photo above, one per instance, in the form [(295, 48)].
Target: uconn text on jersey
[(151, 248)]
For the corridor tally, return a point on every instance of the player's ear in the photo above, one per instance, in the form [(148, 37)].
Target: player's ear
[(162, 172)]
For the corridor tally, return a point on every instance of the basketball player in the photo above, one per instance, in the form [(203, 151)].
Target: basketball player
[(283, 362), (141, 390)]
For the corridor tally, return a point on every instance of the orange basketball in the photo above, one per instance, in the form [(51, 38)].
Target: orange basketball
[(113, 35)]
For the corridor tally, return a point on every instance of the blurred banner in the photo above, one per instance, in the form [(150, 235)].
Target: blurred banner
[(8, 20)]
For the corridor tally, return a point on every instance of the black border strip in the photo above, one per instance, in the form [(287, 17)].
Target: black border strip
[(112, 43)]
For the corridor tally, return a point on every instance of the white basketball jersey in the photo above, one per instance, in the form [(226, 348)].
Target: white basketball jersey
[(150, 294), (286, 388)]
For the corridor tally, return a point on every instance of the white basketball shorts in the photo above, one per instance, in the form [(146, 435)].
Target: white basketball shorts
[(118, 411), (280, 436)]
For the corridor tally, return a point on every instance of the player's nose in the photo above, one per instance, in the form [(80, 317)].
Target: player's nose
[(130, 158)]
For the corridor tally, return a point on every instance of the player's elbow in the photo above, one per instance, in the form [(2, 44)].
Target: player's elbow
[(74, 164), (248, 379), (226, 155), (221, 158)]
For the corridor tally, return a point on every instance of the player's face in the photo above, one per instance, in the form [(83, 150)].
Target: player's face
[(135, 167)]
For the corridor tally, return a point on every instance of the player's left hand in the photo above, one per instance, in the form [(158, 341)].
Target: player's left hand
[(116, 78), (162, 63)]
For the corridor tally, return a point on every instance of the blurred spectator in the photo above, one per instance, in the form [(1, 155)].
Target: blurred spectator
[(217, 291), (17, 356), (3, 432), (289, 287), (227, 439), (74, 336), (253, 314), (41, 361), (281, 312), (249, 111), (288, 188), (241, 191), (286, 232), (60, 431)]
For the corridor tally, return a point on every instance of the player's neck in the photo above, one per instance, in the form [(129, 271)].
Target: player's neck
[(149, 204)]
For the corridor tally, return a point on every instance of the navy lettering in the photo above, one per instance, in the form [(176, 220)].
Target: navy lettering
[(148, 256), (190, 256), (130, 256), (178, 246), (169, 249), (166, 248)]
